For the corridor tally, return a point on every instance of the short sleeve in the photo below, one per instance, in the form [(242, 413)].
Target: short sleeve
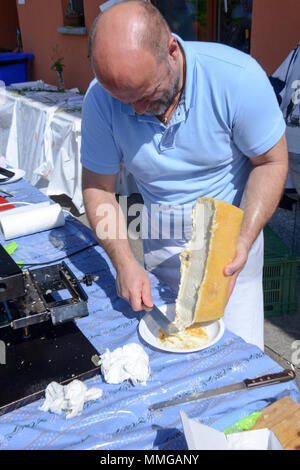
[(258, 122), (99, 151)]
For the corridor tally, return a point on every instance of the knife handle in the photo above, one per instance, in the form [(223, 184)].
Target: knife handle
[(271, 379), (5, 172)]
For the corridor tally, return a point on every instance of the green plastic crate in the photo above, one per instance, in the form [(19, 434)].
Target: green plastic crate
[(279, 276)]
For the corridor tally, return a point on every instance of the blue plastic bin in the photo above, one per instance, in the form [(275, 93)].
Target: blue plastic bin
[(13, 67)]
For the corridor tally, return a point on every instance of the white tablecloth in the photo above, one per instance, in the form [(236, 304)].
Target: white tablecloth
[(40, 132)]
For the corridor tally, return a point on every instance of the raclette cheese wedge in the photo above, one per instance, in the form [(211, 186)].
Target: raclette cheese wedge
[(203, 285)]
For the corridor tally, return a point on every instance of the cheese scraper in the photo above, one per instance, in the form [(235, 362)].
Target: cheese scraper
[(155, 315), (247, 384)]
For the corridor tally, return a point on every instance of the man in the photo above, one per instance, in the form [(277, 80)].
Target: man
[(288, 74), (188, 120)]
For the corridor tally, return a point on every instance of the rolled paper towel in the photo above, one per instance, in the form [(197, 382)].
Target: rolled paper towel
[(32, 219), (19, 209)]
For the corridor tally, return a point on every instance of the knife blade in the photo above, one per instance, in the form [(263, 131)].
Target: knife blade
[(247, 384), (6, 193), (7, 174), (161, 321)]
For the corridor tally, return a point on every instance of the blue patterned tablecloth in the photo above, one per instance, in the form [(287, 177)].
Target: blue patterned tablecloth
[(120, 419)]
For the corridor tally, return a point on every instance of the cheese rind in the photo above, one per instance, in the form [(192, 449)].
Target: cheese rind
[(203, 286)]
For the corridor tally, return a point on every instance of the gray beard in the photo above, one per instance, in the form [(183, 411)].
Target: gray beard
[(160, 107)]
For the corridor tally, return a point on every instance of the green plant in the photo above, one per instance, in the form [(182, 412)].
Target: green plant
[(58, 66), (57, 60)]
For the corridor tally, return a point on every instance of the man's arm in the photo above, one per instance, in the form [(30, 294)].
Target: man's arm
[(261, 197), (107, 221)]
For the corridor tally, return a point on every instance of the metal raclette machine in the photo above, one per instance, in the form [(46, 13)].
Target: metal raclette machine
[(39, 339)]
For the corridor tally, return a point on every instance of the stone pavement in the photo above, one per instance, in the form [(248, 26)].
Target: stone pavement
[(282, 333)]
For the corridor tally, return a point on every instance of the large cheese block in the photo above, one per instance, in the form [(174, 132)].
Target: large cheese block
[(203, 286)]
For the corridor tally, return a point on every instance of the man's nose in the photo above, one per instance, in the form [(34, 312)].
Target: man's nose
[(140, 106)]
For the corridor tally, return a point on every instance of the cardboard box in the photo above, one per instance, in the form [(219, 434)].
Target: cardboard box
[(202, 437)]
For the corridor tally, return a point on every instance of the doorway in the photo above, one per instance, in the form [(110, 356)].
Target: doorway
[(224, 21)]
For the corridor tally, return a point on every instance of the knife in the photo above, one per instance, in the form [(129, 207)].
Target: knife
[(247, 384), (6, 193), (8, 174), (155, 315)]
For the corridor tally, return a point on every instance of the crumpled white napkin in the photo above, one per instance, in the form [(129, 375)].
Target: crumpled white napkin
[(69, 398), (128, 362)]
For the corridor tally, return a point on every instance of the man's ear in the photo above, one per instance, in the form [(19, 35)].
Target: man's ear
[(173, 48)]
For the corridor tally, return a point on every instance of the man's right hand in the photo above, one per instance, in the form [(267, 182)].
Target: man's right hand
[(133, 284)]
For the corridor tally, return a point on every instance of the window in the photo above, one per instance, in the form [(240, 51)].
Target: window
[(73, 13), (190, 19)]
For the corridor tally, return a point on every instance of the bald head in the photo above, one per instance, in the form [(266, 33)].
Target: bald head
[(123, 34)]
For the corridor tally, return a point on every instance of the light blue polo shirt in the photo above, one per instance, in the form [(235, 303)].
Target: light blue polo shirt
[(228, 112)]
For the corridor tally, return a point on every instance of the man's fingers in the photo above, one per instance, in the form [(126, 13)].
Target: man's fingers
[(146, 296), (231, 285), (135, 301), (135, 287), (235, 267), (141, 299), (238, 262)]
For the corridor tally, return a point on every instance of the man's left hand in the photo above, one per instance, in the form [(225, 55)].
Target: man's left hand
[(235, 267)]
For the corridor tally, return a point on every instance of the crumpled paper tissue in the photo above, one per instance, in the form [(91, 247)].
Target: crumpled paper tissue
[(69, 398), (129, 362)]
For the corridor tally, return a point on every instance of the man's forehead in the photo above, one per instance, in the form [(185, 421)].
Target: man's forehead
[(121, 60), (129, 79), (130, 93)]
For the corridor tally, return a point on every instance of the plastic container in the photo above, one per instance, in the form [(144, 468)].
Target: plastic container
[(13, 67), (279, 276)]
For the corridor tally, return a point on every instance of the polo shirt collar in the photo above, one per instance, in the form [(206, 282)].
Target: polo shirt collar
[(190, 73)]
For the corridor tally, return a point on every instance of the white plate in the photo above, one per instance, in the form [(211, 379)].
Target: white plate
[(18, 174), (148, 330)]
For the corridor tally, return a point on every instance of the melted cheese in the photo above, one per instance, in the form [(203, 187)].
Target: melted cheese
[(190, 338)]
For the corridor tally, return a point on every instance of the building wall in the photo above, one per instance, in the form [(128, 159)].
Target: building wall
[(8, 25), (39, 20), (275, 31)]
